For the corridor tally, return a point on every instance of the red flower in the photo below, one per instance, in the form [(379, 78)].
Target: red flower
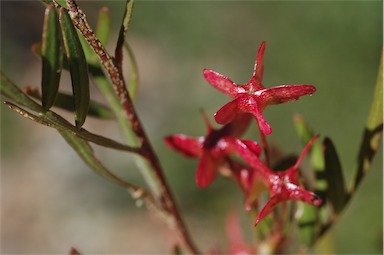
[(213, 148), (253, 97), (283, 186)]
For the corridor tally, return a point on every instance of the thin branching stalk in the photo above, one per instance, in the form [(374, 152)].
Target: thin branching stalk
[(167, 201)]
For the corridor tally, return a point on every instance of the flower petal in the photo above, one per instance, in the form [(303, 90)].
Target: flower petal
[(268, 207), (289, 191), (188, 146), (226, 113), (283, 93), (305, 151), (258, 70), (206, 170), (253, 146), (294, 192), (222, 83)]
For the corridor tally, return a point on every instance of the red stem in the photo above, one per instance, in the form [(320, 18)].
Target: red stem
[(167, 200)]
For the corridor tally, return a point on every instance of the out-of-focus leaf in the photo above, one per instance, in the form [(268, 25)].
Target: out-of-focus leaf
[(78, 68), (51, 53), (127, 16), (90, 55), (373, 130), (11, 92), (133, 76), (65, 102), (336, 190), (176, 250), (103, 28), (121, 42), (308, 220), (305, 134), (85, 151), (102, 32)]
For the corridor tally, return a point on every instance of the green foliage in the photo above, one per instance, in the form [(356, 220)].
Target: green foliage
[(78, 68), (52, 57)]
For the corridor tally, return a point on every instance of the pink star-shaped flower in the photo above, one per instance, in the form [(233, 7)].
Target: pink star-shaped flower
[(213, 148), (253, 97), (283, 186)]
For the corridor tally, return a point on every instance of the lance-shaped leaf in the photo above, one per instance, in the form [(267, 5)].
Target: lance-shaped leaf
[(309, 217), (373, 131), (103, 27), (51, 53), (77, 66), (65, 101), (336, 191), (102, 32), (133, 83), (10, 92), (123, 32)]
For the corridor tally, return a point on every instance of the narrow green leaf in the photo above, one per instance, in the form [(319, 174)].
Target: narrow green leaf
[(336, 190), (51, 53), (86, 153), (10, 92), (127, 17), (78, 68), (308, 223), (27, 114), (103, 27), (373, 131), (90, 55), (65, 101)]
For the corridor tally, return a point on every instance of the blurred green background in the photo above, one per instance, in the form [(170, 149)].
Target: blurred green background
[(50, 201)]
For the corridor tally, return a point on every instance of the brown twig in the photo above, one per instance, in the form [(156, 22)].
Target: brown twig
[(166, 200)]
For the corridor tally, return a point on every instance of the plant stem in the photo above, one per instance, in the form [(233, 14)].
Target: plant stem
[(166, 198)]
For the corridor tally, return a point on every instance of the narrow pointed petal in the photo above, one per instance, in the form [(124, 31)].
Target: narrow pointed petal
[(188, 146), (285, 93), (258, 71), (222, 83), (268, 207), (206, 170), (227, 113), (305, 151)]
